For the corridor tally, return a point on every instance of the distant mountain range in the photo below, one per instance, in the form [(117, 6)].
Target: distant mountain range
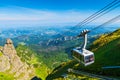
[(46, 35)]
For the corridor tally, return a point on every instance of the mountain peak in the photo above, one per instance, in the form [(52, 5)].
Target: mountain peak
[(12, 63), (9, 41), (9, 49)]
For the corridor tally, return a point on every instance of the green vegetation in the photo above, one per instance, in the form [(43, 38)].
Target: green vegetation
[(105, 39), (58, 72), (51, 56), (42, 71), (26, 54), (54, 60), (71, 76), (107, 53), (6, 76), (1, 53), (30, 57), (45, 59), (42, 62)]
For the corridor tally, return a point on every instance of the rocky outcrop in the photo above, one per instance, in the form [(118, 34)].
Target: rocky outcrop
[(11, 63), (9, 49), (4, 62)]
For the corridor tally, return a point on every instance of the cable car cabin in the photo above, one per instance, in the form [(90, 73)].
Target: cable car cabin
[(83, 56)]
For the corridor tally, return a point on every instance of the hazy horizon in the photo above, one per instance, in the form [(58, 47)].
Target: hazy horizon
[(52, 13)]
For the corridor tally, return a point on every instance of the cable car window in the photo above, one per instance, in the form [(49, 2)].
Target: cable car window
[(79, 56), (89, 58), (75, 54)]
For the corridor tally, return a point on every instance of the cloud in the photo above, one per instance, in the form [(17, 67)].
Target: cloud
[(16, 13), (21, 15)]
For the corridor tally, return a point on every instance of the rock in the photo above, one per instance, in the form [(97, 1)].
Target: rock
[(4, 62), (9, 49), (11, 62)]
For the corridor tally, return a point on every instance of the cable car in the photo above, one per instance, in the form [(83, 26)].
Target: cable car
[(81, 54)]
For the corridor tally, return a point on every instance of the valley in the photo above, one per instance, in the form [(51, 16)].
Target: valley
[(47, 51)]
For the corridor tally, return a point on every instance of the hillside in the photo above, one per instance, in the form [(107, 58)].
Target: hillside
[(21, 63), (107, 53), (107, 50), (27, 55), (105, 39), (25, 62)]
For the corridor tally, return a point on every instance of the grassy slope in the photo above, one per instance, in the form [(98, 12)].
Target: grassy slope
[(107, 53), (105, 39), (30, 57), (6, 76), (63, 69), (57, 72)]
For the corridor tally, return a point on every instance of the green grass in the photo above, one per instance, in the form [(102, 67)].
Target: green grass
[(77, 77), (107, 53), (25, 53), (5, 76), (104, 39), (28, 55), (58, 71), (42, 71), (52, 58), (1, 53)]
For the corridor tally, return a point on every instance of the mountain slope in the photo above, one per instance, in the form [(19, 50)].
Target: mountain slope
[(27, 55), (12, 65), (107, 53), (105, 39), (20, 63)]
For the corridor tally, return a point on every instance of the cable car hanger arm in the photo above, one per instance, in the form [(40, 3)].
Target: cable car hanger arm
[(84, 35)]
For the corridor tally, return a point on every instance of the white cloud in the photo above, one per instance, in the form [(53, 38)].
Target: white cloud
[(21, 15)]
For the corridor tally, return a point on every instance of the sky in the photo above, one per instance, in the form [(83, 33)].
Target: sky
[(51, 12)]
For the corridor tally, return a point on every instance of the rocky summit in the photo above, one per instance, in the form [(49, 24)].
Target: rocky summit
[(10, 63)]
